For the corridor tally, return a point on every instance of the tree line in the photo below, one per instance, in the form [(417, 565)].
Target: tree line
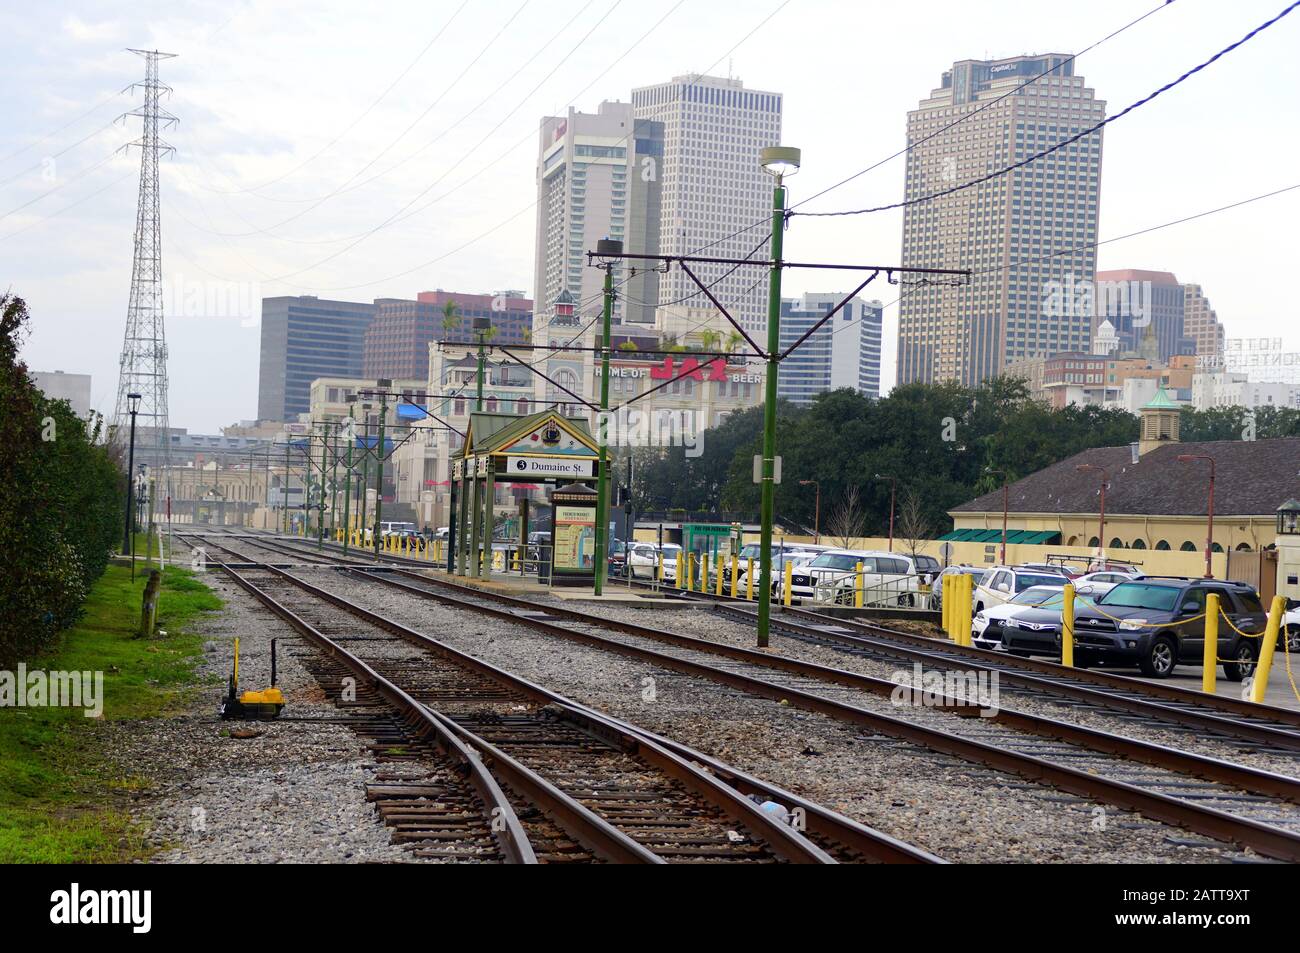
[(937, 445), (61, 498)]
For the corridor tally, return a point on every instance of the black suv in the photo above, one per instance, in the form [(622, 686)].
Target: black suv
[(1143, 604)]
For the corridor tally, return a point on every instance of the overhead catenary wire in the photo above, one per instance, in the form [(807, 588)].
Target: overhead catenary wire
[(983, 106), (1106, 241), (1188, 74), (365, 112), (398, 217)]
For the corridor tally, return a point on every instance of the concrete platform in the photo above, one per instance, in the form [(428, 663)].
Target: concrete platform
[(528, 587)]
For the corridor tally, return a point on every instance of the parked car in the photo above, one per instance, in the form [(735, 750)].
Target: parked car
[(398, 528), (751, 551), (1141, 636), (642, 561), (539, 546), (936, 588), (794, 557), (617, 557), (1291, 630), (887, 579), (1000, 584), (988, 624), (1097, 584), (825, 571)]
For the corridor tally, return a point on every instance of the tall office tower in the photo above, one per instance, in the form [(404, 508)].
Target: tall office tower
[(1024, 235), (713, 186), (1132, 298), (597, 177), (843, 352), (1201, 324), (397, 340), (304, 338)]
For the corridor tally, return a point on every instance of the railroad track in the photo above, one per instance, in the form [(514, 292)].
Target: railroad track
[(1216, 798), (621, 793)]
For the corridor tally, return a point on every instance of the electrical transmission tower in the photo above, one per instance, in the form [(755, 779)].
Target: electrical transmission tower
[(144, 349)]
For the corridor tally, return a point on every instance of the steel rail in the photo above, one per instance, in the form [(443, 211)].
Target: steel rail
[(1264, 838), (509, 833), (778, 837), (1173, 693)]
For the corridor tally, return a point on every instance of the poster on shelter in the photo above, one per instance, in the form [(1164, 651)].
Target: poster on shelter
[(575, 538)]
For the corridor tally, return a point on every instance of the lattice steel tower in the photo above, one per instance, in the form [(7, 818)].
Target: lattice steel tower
[(144, 349)]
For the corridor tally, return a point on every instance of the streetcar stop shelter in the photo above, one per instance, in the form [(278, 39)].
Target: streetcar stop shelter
[(545, 447)]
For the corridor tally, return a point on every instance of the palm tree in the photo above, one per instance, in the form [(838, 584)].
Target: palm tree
[(709, 340), (450, 316), (734, 340)]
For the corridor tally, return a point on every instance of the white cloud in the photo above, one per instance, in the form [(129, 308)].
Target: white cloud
[(83, 32)]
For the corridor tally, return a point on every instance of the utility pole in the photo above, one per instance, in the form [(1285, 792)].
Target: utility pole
[(334, 482), (480, 329), (320, 518), (384, 384), (143, 361), (608, 246), (778, 161), (128, 548), (347, 477), (284, 488)]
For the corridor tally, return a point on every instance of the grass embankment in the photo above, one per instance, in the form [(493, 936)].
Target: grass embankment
[(59, 800)]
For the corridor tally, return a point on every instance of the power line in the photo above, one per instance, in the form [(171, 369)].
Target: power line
[(401, 217), (1065, 142), (71, 122), (1108, 241), (352, 125), (992, 102)]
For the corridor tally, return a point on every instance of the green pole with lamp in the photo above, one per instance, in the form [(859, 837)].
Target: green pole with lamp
[(606, 246), (384, 384), (777, 161)]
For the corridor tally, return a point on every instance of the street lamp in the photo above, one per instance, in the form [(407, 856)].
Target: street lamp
[(1006, 486), (1101, 524), (1209, 538), (817, 511), (481, 328), (132, 407), (893, 492), (778, 162)]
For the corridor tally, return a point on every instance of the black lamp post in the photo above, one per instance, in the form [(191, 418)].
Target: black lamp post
[(133, 406)]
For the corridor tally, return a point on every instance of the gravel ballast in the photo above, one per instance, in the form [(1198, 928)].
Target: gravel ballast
[(960, 811), (295, 792)]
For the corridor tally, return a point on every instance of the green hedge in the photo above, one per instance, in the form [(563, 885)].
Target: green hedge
[(61, 498)]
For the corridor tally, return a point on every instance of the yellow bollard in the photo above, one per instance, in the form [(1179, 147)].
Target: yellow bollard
[(1259, 684), (704, 572), (962, 618), (789, 576), (1067, 626), (677, 571), (660, 570), (946, 604), (951, 601), (749, 578), (690, 571), (735, 574), (857, 586), (717, 585), (1210, 656)]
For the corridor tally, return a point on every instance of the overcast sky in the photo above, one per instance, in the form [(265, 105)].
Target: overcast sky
[(295, 172)]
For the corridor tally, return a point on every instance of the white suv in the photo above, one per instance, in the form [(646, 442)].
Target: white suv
[(823, 575), (1001, 584)]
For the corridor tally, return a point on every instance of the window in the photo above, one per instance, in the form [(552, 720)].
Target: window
[(1188, 546)]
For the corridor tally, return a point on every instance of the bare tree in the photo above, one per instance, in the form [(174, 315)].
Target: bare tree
[(848, 520), (914, 527)]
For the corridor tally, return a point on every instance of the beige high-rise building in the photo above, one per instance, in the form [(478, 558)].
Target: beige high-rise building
[(717, 199), (1202, 325), (1027, 236)]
